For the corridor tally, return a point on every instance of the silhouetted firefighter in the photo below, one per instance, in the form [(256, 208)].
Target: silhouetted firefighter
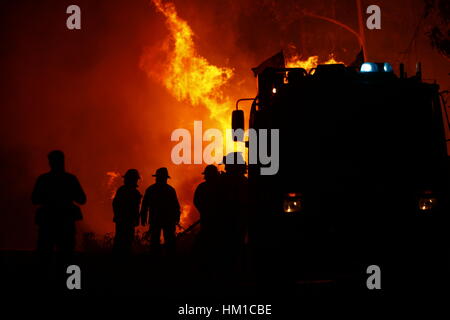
[(206, 200), (55, 192), (126, 212), (160, 208), (232, 220)]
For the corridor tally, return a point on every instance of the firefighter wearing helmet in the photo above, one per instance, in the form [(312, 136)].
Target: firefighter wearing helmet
[(126, 204), (234, 209)]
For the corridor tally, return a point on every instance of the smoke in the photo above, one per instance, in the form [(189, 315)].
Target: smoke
[(84, 91)]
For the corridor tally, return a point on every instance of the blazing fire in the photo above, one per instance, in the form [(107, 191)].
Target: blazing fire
[(308, 64), (187, 75)]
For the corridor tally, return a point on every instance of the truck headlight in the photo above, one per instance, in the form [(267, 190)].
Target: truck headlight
[(292, 202), (427, 202)]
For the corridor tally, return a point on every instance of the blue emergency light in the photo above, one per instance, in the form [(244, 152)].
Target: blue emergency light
[(376, 67)]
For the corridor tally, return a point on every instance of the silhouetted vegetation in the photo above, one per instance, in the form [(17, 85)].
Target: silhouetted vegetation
[(92, 242), (437, 14)]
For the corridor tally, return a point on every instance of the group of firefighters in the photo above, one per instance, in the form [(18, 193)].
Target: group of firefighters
[(221, 200)]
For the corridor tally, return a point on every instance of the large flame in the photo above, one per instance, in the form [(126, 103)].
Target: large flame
[(187, 75)]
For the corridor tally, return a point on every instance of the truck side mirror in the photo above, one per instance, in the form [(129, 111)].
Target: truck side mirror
[(237, 122)]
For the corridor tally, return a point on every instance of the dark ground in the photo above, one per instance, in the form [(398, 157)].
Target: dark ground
[(103, 274), (157, 288)]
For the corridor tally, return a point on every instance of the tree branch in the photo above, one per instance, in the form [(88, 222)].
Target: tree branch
[(340, 24)]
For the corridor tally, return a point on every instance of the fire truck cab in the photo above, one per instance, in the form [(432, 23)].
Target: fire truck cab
[(363, 169)]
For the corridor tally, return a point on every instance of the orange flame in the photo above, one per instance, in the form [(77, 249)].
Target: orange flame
[(308, 64), (185, 217), (112, 182), (187, 75)]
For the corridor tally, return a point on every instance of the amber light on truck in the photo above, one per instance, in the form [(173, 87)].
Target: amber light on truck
[(427, 202), (292, 202)]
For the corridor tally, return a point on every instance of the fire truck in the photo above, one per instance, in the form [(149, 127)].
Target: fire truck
[(363, 171)]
